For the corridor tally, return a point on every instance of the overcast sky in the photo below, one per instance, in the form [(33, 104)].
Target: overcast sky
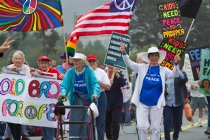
[(78, 7)]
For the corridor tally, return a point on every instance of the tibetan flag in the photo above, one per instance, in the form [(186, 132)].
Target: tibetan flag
[(30, 15), (189, 8), (111, 17)]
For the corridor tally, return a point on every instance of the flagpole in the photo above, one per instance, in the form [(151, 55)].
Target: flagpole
[(189, 30), (64, 41)]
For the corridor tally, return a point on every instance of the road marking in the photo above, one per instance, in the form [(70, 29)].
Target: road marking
[(185, 128)]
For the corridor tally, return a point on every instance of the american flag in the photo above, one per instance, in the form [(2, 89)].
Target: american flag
[(111, 17)]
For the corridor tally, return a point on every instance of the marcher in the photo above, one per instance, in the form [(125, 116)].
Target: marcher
[(81, 87), (175, 95), (18, 67), (102, 101), (46, 70), (149, 90), (64, 66), (197, 101), (53, 63), (114, 104), (134, 76), (127, 92)]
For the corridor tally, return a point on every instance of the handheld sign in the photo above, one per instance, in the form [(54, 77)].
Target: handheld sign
[(195, 57), (113, 55), (172, 47), (28, 101), (205, 72), (170, 19), (187, 68)]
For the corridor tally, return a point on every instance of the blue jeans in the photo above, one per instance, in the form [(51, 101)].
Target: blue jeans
[(127, 112), (48, 133), (100, 120), (174, 113), (208, 99)]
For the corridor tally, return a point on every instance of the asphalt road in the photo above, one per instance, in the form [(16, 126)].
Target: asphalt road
[(189, 132)]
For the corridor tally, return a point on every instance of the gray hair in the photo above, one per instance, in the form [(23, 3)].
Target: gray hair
[(18, 52)]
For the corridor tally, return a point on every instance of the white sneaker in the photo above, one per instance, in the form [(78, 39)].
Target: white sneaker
[(200, 124)]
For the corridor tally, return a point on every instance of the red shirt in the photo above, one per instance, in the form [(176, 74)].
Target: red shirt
[(51, 70)]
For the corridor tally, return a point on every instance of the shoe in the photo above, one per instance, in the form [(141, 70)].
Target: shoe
[(127, 124), (207, 132), (24, 137), (200, 124), (192, 122)]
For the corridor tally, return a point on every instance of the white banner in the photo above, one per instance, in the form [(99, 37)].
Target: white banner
[(28, 101)]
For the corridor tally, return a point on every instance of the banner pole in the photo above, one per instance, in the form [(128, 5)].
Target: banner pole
[(189, 31), (64, 41)]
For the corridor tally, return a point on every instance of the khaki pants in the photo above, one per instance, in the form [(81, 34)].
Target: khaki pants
[(148, 117)]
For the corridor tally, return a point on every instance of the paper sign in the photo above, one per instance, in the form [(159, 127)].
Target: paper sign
[(172, 47), (114, 56), (28, 101), (205, 72), (170, 19), (195, 57)]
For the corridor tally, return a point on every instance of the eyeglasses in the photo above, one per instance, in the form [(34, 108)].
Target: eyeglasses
[(91, 61)]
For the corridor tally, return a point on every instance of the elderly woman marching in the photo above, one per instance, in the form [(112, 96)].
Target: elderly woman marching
[(148, 96), (18, 66), (81, 87)]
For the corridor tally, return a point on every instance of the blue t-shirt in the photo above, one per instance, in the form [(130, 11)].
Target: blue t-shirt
[(152, 87), (80, 84), (61, 69)]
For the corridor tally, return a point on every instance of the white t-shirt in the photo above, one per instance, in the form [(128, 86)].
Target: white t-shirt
[(24, 69), (196, 93), (127, 92), (102, 76)]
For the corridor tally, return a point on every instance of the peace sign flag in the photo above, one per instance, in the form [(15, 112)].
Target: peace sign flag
[(30, 15)]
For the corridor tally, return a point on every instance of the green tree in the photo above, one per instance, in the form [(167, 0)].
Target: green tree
[(145, 26), (96, 48), (50, 43)]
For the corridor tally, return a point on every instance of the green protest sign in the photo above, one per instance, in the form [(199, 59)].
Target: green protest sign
[(205, 72), (113, 55)]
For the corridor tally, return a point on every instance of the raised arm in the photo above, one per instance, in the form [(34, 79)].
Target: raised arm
[(176, 71), (132, 65)]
